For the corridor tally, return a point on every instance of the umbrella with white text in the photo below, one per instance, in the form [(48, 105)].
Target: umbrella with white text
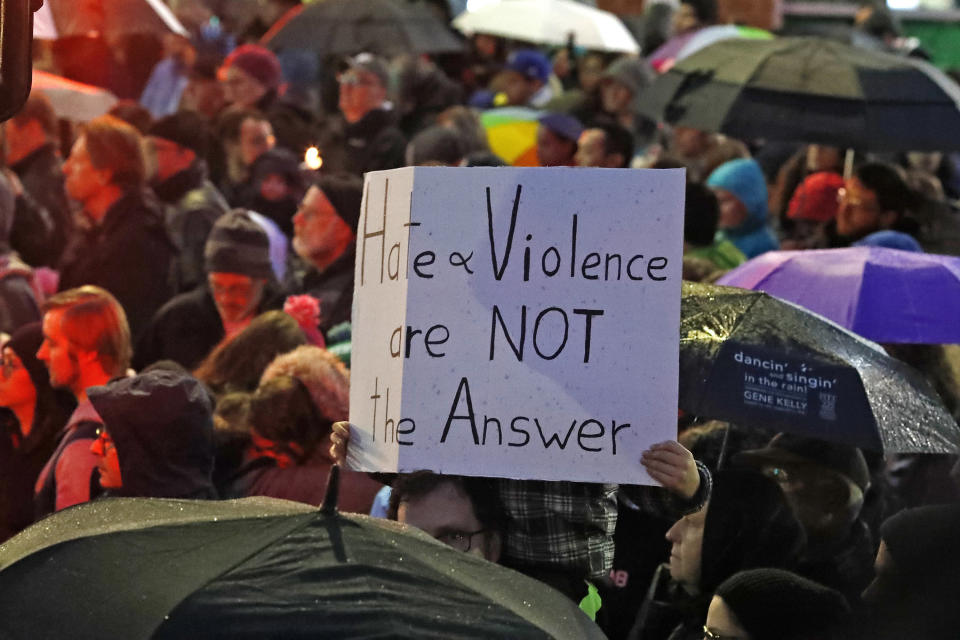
[(756, 360)]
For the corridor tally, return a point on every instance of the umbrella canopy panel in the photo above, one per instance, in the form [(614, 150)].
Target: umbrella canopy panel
[(883, 294), (109, 17), (751, 358), (384, 27), (550, 22), (258, 568), (810, 90)]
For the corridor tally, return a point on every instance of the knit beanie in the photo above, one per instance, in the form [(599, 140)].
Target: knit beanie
[(237, 244), (744, 179), (816, 197), (749, 524), (891, 240), (257, 62), (185, 128), (633, 73), (922, 538), (773, 604), (345, 193)]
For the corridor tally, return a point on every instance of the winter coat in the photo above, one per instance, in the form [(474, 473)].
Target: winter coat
[(372, 143), (744, 179), (18, 299), (41, 173), (161, 423), (129, 254), (191, 205), (333, 287)]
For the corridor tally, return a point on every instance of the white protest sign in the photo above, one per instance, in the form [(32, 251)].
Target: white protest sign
[(516, 322)]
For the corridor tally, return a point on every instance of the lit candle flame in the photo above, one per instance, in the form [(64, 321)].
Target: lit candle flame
[(312, 159)]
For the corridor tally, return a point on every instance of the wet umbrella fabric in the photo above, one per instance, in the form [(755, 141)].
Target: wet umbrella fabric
[(256, 568), (383, 27), (809, 90), (882, 294), (111, 18), (753, 359)]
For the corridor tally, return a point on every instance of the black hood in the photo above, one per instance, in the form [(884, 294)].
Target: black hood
[(162, 425)]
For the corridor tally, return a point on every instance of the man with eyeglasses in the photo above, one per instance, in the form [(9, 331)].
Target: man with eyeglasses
[(367, 138), (238, 269), (876, 198), (461, 512)]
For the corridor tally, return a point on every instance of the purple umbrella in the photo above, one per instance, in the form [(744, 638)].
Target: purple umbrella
[(883, 294)]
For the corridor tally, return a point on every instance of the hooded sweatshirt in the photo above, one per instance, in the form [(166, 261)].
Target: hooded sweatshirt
[(161, 423), (744, 179)]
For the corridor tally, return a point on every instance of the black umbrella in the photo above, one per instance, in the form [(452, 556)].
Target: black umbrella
[(753, 359), (259, 568), (384, 27), (810, 90)]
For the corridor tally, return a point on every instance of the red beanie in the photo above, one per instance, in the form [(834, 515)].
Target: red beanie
[(257, 62), (816, 198)]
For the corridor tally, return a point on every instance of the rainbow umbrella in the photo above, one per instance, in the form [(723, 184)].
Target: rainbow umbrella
[(709, 35), (512, 134)]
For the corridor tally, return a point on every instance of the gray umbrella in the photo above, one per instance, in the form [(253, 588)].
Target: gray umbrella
[(756, 360), (810, 90)]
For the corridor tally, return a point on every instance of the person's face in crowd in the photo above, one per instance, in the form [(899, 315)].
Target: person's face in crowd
[(16, 387), (685, 19), (83, 180), (108, 464), (615, 96), (447, 514), (486, 45), (687, 537), (733, 213), (360, 93), (22, 140), (58, 353), (552, 150), (818, 497), (203, 95), (927, 162), (723, 623), (516, 86), (274, 188), (823, 158), (688, 142), (858, 213), (167, 157), (237, 296), (591, 148), (316, 225), (590, 70), (240, 88), (256, 138), (884, 581)]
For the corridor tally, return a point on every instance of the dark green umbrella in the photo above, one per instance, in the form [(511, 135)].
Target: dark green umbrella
[(383, 27), (810, 90), (259, 568), (756, 360)]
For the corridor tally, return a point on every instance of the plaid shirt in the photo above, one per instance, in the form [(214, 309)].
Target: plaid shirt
[(568, 526)]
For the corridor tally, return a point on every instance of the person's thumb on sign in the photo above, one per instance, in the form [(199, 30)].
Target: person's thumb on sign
[(673, 466), (339, 440)]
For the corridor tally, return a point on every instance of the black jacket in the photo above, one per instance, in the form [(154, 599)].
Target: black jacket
[(373, 143), (41, 173), (191, 205), (333, 287), (129, 254)]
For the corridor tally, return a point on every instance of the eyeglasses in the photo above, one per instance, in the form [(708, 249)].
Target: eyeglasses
[(9, 364), (105, 441), (843, 197), (357, 80), (459, 540), (711, 635)]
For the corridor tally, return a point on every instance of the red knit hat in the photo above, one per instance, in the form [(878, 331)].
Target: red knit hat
[(816, 198), (257, 62)]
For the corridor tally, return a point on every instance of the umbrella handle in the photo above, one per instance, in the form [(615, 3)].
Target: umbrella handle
[(332, 495)]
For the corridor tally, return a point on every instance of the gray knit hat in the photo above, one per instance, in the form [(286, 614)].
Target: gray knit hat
[(237, 244)]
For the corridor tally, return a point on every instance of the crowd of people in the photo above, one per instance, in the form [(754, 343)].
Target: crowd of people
[(176, 284)]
